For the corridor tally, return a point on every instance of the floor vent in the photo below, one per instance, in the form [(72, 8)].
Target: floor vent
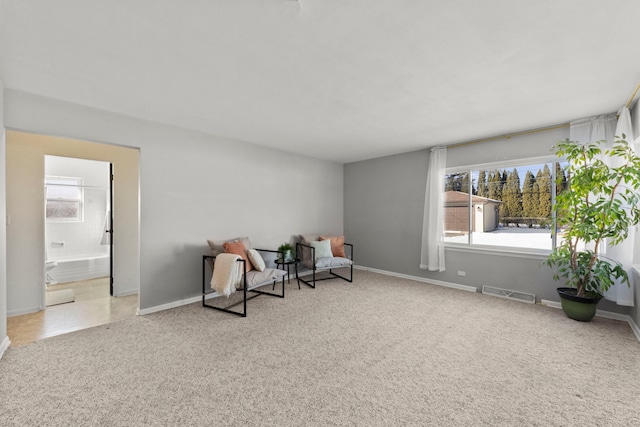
[(509, 294)]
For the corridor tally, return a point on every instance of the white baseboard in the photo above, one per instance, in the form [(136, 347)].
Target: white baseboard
[(420, 279), (22, 311), (187, 301), (303, 272), (162, 307), (634, 327), (549, 303), (603, 314), (4, 346), (125, 293)]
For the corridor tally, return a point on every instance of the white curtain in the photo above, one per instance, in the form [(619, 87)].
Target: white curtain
[(623, 253), (593, 129), (606, 128), (432, 253)]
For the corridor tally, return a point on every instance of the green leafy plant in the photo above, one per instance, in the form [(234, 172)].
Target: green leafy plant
[(285, 250), (600, 204), (285, 247)]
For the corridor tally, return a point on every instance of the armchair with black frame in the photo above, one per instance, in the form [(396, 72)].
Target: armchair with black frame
[(252, 271), (321, 253)]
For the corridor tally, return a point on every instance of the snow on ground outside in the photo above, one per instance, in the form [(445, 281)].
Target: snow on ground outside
[(530, 238)]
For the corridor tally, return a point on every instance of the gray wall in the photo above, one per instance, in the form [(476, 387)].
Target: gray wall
[(195, 187), (384, 204), (4, 340)]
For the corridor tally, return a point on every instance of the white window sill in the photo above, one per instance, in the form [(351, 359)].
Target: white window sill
[(500, 251)]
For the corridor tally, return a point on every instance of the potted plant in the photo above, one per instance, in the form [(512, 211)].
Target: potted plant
[(285, 252), (599, 206)]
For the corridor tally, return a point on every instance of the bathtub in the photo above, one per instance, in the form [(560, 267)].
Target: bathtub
[(81, 268)]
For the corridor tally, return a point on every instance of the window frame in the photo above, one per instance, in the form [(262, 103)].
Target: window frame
[(499, 165), (79, 200)]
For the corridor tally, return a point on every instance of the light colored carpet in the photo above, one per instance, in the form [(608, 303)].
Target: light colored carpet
[(59, 297), (380, 351)]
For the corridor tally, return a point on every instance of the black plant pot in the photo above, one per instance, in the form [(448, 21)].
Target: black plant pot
[(575, 307)]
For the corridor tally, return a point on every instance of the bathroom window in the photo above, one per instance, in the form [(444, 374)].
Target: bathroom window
[(64, 198)]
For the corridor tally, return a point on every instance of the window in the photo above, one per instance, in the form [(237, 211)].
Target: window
[(507, 205), (64, 199)]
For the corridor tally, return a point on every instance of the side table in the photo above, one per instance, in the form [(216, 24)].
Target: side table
[(286, 265)]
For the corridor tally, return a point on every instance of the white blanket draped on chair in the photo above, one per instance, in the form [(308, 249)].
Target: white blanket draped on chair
[(227, 274)]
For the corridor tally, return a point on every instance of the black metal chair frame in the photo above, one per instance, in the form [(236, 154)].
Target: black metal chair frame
[(334, 275), (245, 289)]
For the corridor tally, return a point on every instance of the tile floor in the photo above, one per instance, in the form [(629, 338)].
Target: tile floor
[(93, 306)]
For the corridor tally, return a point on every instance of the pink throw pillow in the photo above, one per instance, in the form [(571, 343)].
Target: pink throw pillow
[(238, 248)]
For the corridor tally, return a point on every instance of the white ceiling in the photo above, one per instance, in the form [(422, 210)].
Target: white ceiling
[(343, 80)]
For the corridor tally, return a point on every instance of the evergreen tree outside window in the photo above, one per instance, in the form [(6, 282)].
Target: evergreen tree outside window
[(483, 189), (530, 198), (544, 186), (495, 185), (512, 199)]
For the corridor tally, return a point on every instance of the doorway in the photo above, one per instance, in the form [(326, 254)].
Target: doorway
[(78, 230), (27, 318)]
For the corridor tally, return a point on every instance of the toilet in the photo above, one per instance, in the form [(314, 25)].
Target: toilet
[(48, 266)]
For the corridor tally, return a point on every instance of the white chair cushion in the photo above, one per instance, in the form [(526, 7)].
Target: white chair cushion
[(257, 278), (332, 262)]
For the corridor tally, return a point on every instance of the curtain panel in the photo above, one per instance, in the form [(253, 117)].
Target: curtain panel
[(432, 251)]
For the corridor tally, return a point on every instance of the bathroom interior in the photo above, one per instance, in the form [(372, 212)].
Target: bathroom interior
[(77, 229)]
